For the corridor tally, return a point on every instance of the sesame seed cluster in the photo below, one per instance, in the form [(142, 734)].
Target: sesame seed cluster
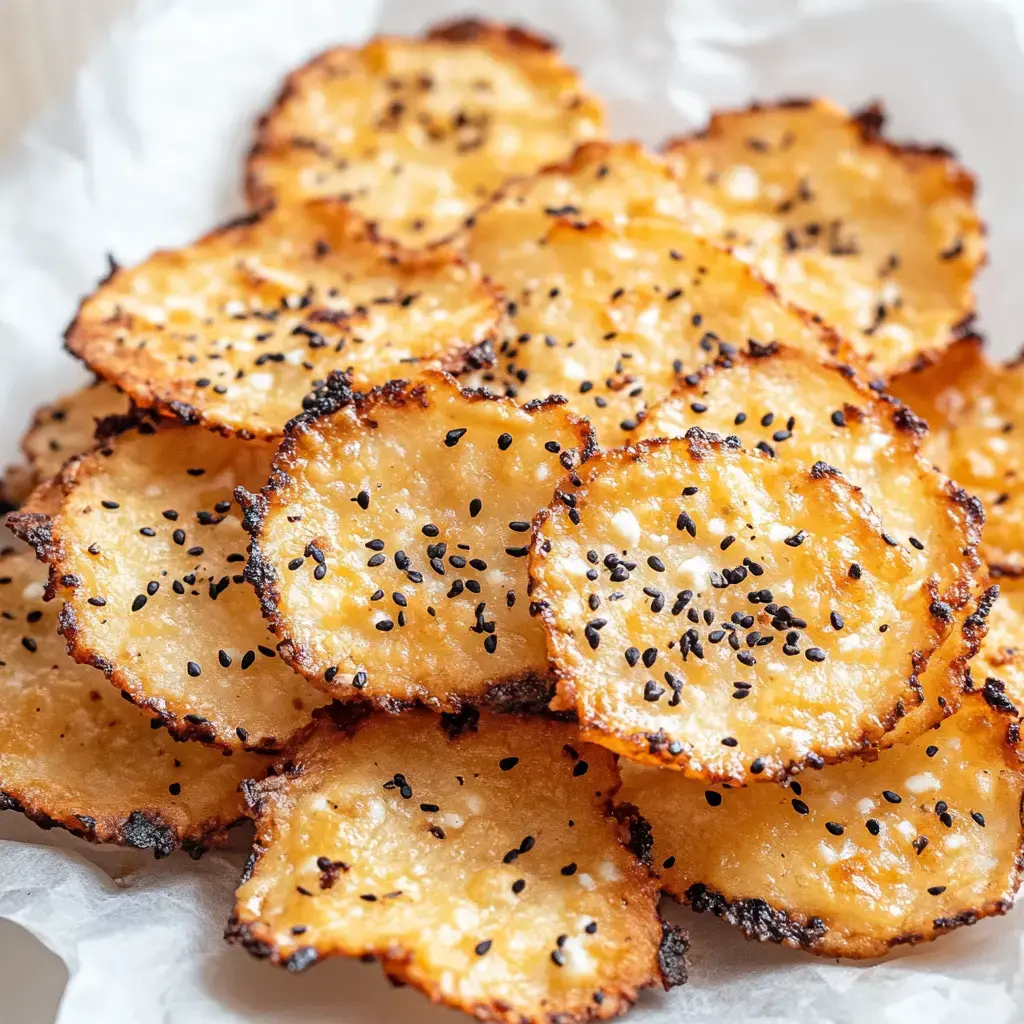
[(519, 526)]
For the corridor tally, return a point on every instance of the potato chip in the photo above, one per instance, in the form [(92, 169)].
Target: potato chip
[(727, 614), (58, 431), (68, 426), (237, 329), (611, 182), (791, 406), (974, 409), (614, 318), (999, 668), (480, 866), (72, 755), (147, 552), (417, 133), (881, 240), (855, 859), (390, 546)]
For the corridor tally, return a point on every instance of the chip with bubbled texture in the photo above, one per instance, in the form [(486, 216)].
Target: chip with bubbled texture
[(859, 857), (479, 864), (234, 330), (726, 614), (417, 133), (795, 407), (147, 552), (72, 754), (999, 668), (880, 240), (613, 318), (390, 545), (975, 409), (611, 182)]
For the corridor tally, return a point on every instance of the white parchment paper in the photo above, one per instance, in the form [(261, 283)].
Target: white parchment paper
[(147, 152)]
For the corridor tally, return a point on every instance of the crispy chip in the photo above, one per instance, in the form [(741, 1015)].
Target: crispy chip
[(389, 548), (792, 406), (999, 668), (235, 330), (68, 426), (417, 133), (147, 551), (73, 755), (612, 182), (58, 431), (975, 409), (614, 318), (855, 859), (726, 614), (482, 868), (880, 240)]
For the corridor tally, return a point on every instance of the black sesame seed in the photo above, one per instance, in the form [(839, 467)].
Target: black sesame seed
[(872, 826), (800, 807), (834, 828), (193, 669), (713, 798), (891, 797), (504, 440), (482, 948)]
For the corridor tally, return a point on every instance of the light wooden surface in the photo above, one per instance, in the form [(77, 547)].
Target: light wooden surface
[(42, 45)]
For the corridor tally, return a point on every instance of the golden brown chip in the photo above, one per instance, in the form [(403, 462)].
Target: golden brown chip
[(975, 410), (882, 241), (726, 614), (613, 318), (482, 868), (855, 859), (611, 182), (417, 133), (72, 754), (147, 552), (390, 546), (58, 431), (999, 668), (68, 426), (235, 330), (792, 406)]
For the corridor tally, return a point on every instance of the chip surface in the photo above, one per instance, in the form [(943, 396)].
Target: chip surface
[(147, 552), (881, 240), (68, 426), (72, 754), (999, 667), (611, 182), (975, 410), (613, 318), (236, 329), (482, 868), (794, 407), (857, 858), (417, 133), (389, 548), (726, 614)]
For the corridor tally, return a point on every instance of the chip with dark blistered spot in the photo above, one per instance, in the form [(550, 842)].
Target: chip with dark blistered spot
[(615, 318), (880, 240), (147, 552), (72, 754), (666, 639), (59, 430), (234, 330), (390, 545), (506, 893), (416, 133), (975, 410), (869, 856), (794, 407), (1000, 663)]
